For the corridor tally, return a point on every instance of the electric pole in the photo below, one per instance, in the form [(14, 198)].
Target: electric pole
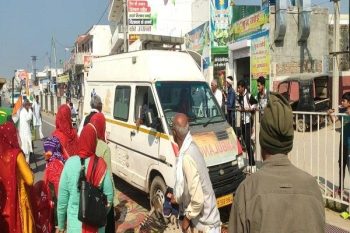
[(125, 26), (336, 36), (55, 57), (34, 69)]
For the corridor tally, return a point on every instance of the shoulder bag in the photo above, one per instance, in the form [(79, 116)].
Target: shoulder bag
[(93, 208)]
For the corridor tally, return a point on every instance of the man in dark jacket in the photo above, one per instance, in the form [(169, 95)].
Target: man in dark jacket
[(279, 197), (230, 100)]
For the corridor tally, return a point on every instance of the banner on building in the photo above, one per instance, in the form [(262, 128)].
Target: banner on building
[(158, 17), (198, 38), (259, 59), (22, 74), (260, 56), (249, 25), (219, 62), (63, 79), (139, 17), (220, 20)]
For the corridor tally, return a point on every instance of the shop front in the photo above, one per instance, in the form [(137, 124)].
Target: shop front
[(249, 51), (62, 84)]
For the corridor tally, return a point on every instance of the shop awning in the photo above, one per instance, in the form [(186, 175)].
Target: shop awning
[(62, 79)]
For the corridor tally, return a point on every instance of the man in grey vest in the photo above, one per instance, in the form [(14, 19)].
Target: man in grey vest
[(193, 189), (279, 197)]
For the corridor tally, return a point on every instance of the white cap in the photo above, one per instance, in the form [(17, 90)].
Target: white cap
[(229, 81)]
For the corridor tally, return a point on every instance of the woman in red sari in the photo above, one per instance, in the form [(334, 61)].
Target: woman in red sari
[(15, 180), (65, 132)]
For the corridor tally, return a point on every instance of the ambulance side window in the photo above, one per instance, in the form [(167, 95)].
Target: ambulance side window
[(144, 103), (121, 103)]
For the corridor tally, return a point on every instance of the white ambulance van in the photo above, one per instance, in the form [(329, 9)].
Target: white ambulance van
[(154, 85)]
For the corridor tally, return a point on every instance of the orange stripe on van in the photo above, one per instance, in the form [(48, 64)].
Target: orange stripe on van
[(140, 129)]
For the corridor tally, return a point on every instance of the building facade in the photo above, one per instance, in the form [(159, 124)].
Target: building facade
[(95, 42)]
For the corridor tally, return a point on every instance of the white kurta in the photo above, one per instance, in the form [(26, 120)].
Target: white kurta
[(218, 96), (36, 114), (25, 117), (37, 121)]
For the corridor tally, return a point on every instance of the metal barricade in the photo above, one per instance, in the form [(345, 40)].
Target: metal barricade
[(317, 150)]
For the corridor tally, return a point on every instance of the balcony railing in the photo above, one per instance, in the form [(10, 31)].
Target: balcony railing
[(79, 58)]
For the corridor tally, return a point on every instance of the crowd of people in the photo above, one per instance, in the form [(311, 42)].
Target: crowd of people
[(243, 102), (277, 198), (53, 204)]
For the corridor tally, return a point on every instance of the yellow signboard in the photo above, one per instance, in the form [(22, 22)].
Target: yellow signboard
[(249, 25), (260, 56), (63, 79)]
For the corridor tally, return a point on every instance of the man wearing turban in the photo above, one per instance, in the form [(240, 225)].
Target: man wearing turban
[(279, 197)]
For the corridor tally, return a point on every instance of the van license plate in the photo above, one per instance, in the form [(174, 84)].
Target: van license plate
[(224, 200)]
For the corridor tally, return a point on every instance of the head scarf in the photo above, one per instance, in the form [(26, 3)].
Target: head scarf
[(276, 127), (53, 144), (87, 147), (99, 121), (10, 219), (64, 130), (8, 137)]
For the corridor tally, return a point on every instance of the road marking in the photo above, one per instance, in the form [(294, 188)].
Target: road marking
[(49, 123)]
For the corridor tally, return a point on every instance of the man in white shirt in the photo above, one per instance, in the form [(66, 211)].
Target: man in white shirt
[(247, 106), (25, 134), (37, 121), (193, 189), (217, 93)]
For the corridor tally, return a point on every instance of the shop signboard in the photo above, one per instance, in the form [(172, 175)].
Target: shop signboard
[(158, 17), (139, 17), (63, 78), (249, 25), (219, 62), (259, 58), (220, 20)]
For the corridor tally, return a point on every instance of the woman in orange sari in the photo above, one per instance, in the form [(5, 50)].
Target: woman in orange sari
[(65, 132), (15, 180)]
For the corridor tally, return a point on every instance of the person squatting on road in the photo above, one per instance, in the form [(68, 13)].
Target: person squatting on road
[(279, 197), (193, 189)]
